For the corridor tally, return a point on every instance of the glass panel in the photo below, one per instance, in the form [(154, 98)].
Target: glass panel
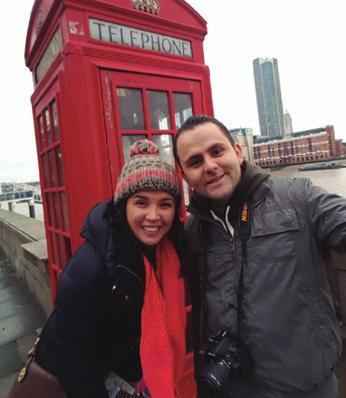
[(49, 209), (60, 172), (183, 108), (63, 248), (158, 108), (48, 125), (56, 249), (45, 170), (165, 145), (52, 168), (130, 109), (64, 211), (55, 122), (42, 136), (128, 140), (56, 204), (68, 248)]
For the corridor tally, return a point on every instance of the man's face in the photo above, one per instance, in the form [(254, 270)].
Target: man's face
[(210, 163)]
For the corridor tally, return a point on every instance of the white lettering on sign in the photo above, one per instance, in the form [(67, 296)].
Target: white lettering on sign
[(52, 50), (76, 28), (111, 32)]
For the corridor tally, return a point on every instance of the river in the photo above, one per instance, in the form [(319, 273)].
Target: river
[(333, 180)]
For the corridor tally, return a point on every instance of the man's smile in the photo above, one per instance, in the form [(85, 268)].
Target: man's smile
[(215, 179)]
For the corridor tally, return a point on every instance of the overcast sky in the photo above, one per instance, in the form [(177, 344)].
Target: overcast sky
[(306, 36)]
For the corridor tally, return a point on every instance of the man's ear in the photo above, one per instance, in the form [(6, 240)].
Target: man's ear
[(178, 165), (239, 152), (184, 175)]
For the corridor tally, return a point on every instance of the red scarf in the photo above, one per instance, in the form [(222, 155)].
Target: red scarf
[(162, 346)]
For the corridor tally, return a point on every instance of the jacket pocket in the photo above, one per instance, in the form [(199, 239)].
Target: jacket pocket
[(273, 249), (275, 222)]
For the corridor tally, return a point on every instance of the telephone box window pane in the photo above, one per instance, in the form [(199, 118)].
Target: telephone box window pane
[(56, 204), (56, 249), (63, 251), (68, 248), (165, 145), (48, 126), (64, 211), (45, 171), (130, 108), (41, 127), (128, 140), (49, 209), (60, 171), (65, 246), (183, 108), (53, 176), (159, 113), (55, 122)]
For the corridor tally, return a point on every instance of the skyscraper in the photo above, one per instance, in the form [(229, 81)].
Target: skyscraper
[(268, 93), (288, 124)]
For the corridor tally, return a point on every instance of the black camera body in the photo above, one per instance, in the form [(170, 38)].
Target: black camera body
[(220, 358)]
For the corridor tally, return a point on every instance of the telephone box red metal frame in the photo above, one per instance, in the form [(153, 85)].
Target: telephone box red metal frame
[(80, 82)]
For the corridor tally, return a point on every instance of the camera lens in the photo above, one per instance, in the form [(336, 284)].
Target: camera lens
[(212, 378)]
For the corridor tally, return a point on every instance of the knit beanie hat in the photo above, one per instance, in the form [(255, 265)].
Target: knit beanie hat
[(145, 171)]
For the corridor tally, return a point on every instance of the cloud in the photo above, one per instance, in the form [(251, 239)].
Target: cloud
[(18, 171)]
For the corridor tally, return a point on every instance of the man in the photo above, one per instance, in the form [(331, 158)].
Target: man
[(258, 273)]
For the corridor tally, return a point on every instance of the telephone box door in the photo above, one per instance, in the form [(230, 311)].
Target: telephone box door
[(142, 106)]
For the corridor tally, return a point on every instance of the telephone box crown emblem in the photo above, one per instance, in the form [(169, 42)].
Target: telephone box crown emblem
[(150, 6)]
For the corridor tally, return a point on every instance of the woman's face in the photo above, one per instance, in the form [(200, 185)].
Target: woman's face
[(150, 215)]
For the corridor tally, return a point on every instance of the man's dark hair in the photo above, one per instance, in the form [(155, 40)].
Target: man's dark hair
[(194, 121)]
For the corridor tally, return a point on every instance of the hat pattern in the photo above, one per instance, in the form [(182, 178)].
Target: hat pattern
[(146, 171)]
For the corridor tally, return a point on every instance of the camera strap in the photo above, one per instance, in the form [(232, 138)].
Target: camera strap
[(244, 234)]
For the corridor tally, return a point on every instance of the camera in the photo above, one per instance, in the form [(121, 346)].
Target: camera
[(220, 360)]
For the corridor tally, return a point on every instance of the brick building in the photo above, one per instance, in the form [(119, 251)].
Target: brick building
[(244, 137), (300, 147)]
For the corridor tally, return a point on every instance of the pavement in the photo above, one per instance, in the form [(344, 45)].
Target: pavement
[(21, 320)]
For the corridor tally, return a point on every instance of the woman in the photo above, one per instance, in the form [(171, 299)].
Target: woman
[(120, 303)]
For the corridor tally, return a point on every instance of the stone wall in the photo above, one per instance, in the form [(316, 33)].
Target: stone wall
[(23, 241)]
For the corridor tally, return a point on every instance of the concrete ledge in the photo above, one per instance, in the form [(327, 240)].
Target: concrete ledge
[(36, 253), (31, 228), (23, 241)]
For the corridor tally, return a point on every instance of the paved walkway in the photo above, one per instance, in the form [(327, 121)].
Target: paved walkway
[(20, 321)]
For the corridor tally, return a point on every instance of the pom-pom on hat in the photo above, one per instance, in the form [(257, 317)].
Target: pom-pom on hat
[(145, 171)]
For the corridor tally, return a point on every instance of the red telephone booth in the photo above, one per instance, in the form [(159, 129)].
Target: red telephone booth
[(106, 73)]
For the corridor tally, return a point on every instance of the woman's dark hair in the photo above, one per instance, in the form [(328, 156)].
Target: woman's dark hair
[(128, 245)]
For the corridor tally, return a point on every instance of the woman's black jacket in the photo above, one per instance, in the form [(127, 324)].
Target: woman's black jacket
[(95, 326)]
